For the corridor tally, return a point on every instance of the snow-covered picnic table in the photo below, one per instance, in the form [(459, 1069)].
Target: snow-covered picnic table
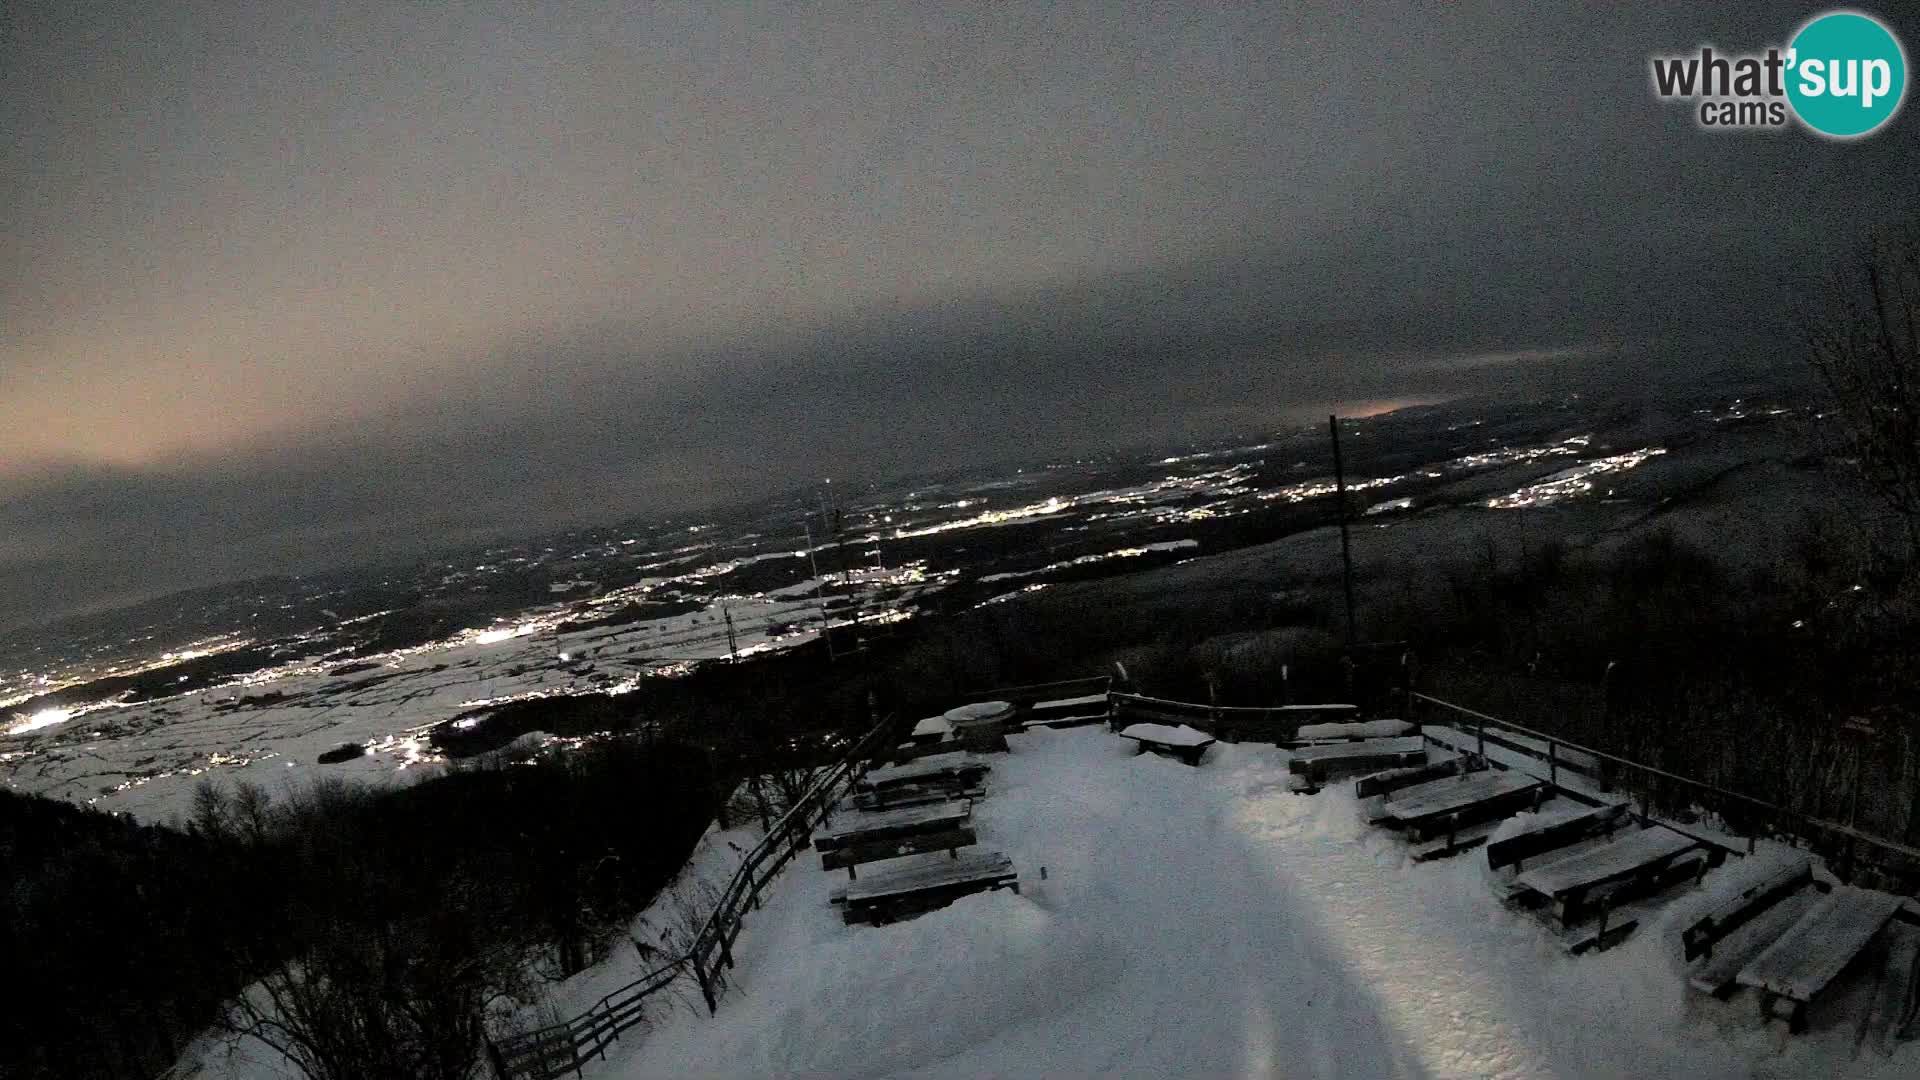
[(1460, 800), (958, 767), (1639, 854), (1173, 740), (921, 883), (888, 824), (1796, 968), (890, 834)]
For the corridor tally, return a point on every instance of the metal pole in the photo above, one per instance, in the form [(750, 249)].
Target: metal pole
[(818, 596), (1346, 548)]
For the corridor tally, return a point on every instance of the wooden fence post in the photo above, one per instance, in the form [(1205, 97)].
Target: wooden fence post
[(706, 983)]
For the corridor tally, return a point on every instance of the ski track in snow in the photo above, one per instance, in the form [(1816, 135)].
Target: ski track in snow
[(1209, 923)]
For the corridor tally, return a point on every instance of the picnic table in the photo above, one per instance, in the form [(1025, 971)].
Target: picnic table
[(922, 883), (893, 824), (1178, 741), (957, 769), (1642, 857), (1317, 761), (890, 834), (1543, 834), (1809, 957), (899, 795), (1461, 800)]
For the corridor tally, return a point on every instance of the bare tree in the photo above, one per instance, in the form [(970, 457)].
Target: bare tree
[(378, 997), (1865, 348)]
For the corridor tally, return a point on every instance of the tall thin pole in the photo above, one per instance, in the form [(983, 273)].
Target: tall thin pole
[(818, 596), (1346, 546)]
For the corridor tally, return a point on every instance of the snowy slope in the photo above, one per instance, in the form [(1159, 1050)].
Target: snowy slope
[(1204, 922)]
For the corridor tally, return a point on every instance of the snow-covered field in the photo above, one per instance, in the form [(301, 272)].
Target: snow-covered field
[(269, 728), (1205, 922)]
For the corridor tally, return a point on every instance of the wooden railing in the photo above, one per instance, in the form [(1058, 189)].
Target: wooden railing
[(1229, 723), (561, 1048), (1842, 843), (1023, 697)]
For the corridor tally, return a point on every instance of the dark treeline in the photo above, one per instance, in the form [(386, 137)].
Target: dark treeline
[(385, 921)]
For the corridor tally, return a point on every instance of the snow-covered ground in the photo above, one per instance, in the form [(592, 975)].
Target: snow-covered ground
[(268, 728), (1205, 922)]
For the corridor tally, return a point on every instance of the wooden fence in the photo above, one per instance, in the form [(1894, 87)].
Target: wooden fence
[(1228, 723), (1846, 848), (564, 1047)]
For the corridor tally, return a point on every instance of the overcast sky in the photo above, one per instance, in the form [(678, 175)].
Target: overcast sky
[(284, 284)]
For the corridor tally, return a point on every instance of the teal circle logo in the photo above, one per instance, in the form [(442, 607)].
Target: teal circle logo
[(1846, 74)]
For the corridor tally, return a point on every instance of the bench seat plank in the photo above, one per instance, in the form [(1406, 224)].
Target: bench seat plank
[(1408, 750)]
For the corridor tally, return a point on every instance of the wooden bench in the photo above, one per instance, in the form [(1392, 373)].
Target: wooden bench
[(955, 769), (1457, 801), (894, 824), (1796, 969), (901, 795), (1716, 974), (922, 883), (1554, 834), (1182, 742), (1069, 712), (1742, 892), (1389, 781), (850, 856), (1352, 731), (1638, 861), (1315, 762)]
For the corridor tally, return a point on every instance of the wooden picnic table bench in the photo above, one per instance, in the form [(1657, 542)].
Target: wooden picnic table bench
[(899, 795), (1641, 857), (1740, 893), (1389, 781), (922, 883), (1351, 731), (1794, 970), (1177, 741), (851, 856), (1315, 762), (957, 768), (1462, 800), (1551, 834), (894, 824)]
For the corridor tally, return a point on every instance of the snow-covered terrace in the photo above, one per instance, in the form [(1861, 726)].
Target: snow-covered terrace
[(1208, 923)]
